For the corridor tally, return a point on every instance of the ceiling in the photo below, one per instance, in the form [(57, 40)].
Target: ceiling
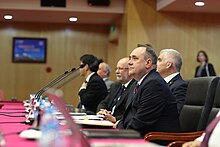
[(211, 6), (32, 11)]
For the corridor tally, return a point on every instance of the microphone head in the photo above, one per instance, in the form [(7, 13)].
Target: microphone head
[(73, 69), (82, 65)]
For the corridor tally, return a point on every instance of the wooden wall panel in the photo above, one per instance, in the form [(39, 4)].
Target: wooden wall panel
[(186, 32), (65, 45)]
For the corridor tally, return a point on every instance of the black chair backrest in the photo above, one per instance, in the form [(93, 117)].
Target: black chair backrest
[(199, 101), (216, 105)]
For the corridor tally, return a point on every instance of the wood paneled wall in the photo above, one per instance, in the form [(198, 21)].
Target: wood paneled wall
[(65, 45), (141, 23), (186, 32)]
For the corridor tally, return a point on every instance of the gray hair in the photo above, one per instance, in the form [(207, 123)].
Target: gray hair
[(173, 56), (149, 53), (108, 69)]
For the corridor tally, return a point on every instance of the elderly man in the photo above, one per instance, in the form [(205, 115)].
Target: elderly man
[(113, 106), (169, 64), (151, 107), (104, 72)]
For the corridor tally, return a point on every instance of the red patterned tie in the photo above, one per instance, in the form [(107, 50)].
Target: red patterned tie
[(136, 88)]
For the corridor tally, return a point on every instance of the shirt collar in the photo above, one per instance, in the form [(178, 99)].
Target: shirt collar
[(140, 81), (105, 79), (89, 76), (126, 84), (170, 77)]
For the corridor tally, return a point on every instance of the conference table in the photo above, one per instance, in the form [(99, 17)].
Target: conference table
[(12, 118)]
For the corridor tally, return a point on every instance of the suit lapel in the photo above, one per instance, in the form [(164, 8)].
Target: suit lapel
[(124, 94), (131, 96), (170, 83), (114, 95)]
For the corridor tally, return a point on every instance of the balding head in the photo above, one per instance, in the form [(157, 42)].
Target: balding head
[(104, 70)]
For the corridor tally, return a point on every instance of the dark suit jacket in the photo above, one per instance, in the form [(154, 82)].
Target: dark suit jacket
[(108, 84), (211, 70), (94, 93), (120, 105), (153, 108), (178, 88)]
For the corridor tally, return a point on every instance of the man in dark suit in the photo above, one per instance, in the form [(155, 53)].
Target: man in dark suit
[(169, 65), (151, 107), (113, 106), (93, 90)]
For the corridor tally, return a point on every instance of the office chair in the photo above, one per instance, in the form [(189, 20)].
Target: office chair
[(216, 105), (194, 115), (215, 109)]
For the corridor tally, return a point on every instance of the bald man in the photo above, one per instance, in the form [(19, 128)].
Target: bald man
[(113, 106), (104, 72)]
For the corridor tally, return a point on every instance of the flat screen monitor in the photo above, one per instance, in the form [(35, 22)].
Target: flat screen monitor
[(29, 50)]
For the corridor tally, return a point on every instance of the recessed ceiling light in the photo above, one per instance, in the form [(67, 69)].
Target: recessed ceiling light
[(200, 4), (7, 17), (73, 19)]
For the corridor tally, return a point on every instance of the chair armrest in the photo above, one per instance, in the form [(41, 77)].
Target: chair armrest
[(172, 136)]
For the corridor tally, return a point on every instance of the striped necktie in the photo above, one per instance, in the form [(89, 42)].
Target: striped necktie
[(117, 97)]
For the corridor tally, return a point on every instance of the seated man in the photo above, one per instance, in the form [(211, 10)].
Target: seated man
[(104, 72), (169, 64), (93, 90), (151, 106), (113, 106)]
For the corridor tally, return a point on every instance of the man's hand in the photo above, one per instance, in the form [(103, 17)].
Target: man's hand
[(110, 118), (84, 85), (115, 125), (107, 114), (194, 143), (103, 112)]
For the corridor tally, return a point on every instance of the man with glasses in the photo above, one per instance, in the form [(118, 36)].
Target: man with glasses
[(113, 106)]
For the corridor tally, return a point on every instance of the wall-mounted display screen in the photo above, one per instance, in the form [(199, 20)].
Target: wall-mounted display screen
[(29, 50)]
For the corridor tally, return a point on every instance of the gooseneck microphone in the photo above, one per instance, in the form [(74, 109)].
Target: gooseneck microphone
[(57, 80), (67, 81)]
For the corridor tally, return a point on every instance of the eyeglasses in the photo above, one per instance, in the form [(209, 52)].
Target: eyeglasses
[(120, 68)]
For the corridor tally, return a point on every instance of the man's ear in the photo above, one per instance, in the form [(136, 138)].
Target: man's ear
[(148, 63), (169, 64), (86, 67)]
